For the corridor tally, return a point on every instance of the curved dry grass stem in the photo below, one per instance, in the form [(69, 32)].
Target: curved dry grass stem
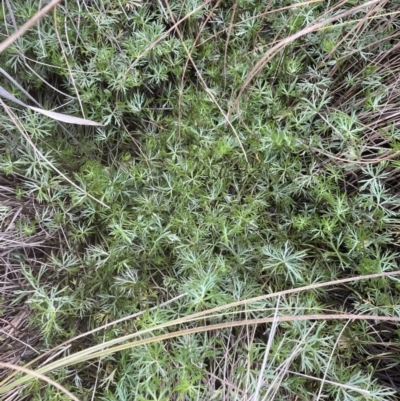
[(324, 378), (105, 326), (11, 39), (64, 54), (188, 60), (274, 50), (210, 94), (14, 119), (75, 358), (359, 28), (163, 36), (282, 369), (338, 384), (384, 157), (219, 326), (271, 337), (39, 376), (274, 11), (108, 348)]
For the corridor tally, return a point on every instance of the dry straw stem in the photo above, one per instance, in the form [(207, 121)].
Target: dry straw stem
[(51, 114), (267, 351), (38, 376), (191, 50), (386, 156), (281, 370), (209, 92), (63, 52), (274, 11), (62, 347), (85, 355), (336, 345), (283, 43), (345, 386), (355, 32), (163, 36), (16, 84), (11, 39), (14, 119), (103, 349)]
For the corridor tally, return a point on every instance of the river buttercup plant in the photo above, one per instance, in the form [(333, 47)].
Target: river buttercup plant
[(243, 154)]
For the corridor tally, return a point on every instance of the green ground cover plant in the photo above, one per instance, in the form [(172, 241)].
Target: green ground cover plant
[(246, 148)]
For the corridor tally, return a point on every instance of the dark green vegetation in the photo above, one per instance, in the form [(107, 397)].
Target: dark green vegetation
[(299, 187)]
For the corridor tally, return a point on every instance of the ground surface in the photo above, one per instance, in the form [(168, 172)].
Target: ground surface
[(236, 160)]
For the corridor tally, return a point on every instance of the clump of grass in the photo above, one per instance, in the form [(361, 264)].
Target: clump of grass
[(248, 148)]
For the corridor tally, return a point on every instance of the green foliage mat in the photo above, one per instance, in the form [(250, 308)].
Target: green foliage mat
[(217, 197)]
